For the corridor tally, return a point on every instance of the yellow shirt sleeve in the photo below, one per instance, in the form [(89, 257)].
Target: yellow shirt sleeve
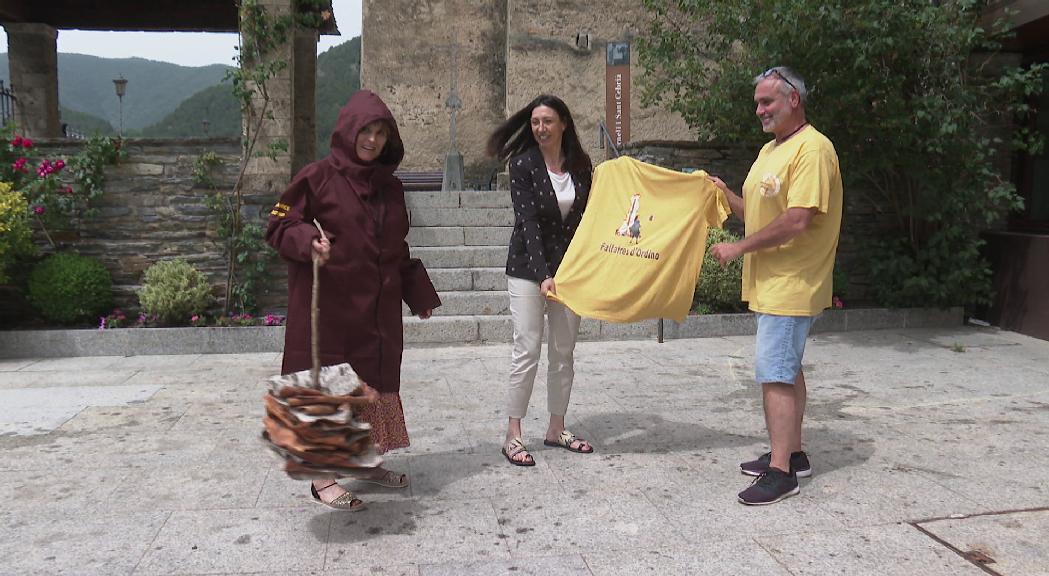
[(811, 178)]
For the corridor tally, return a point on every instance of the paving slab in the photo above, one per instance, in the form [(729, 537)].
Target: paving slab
[(570, 565), (904, 427), (419, 532), (1014, 542), (28, 411), (60, 542), (715, 557), (239, 540), (585, 520)]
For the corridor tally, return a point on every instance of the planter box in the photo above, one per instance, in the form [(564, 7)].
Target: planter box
[(444, 330)]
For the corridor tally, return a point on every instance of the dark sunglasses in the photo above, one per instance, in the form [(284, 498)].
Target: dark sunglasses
[(780, 75)]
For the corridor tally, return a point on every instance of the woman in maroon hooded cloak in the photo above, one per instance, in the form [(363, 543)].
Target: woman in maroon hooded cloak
[(366, 270)]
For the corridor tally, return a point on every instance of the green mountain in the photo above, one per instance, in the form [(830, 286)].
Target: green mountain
[(86, 124), (215, 104), (338, 76), (154, 89), (170, 101)]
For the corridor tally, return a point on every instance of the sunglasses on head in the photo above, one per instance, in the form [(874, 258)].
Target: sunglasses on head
[(780, 75)]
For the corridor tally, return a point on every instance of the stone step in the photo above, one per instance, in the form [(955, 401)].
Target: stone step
[(464, 199), (424, 216), (459, 236), (483, 329), (470, 303), (460, 279), (435, 257)]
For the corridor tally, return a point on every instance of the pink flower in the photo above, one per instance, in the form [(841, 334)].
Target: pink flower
[(27, 143), (38, 210), (194, 318), (59, 164), (101, 323), (837, 302)]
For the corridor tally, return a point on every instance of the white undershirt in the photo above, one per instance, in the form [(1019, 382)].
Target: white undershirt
[(565, 191)]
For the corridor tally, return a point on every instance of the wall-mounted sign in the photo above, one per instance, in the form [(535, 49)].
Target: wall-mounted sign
[(617, 93)]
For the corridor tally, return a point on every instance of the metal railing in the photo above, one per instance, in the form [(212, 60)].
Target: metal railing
[(7, 104)]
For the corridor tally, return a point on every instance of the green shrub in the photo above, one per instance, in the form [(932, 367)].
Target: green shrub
[(174, 291), (719, 287), (70, 288), (922, 101), (15, 234)]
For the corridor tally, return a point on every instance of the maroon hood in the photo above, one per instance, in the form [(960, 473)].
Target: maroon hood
[(363, 108)]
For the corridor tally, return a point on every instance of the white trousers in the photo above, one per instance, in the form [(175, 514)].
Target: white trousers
[(528, 307)]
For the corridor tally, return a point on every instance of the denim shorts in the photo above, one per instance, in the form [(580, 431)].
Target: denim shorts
[(780, 346)]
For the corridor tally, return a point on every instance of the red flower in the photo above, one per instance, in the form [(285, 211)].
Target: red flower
[(27, 143), (38, 210), (17, 142), (59, 164)]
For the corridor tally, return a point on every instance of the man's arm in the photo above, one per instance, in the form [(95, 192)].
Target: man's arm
[(783, 229), (735, 202)]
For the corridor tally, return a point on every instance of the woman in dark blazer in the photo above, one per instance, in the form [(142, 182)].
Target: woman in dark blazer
[(550, 178)]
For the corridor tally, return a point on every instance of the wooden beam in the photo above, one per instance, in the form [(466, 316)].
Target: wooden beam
[(131, 15)]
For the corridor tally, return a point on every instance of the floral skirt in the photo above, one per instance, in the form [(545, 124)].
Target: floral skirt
[(387, 419)]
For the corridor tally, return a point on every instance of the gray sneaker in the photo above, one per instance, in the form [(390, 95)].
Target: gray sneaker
[(799, 464), (772, 486)]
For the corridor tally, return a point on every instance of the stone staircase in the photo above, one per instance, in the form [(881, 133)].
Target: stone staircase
[(462, 237)]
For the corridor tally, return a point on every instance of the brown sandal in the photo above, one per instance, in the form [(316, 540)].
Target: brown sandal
[(389, 479), (515, 447)]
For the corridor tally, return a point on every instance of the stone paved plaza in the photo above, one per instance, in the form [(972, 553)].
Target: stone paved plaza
[(926, 445)]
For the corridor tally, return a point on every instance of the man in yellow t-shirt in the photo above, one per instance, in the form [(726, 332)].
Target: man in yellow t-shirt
[(791, 208)]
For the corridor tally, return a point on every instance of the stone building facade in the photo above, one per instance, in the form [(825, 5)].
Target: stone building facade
[(507, 53)]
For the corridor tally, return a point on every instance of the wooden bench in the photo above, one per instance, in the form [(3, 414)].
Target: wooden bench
[(421, 181)]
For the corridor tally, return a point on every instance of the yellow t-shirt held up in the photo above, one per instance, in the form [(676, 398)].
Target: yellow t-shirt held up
[(793, 279), (639, 248)]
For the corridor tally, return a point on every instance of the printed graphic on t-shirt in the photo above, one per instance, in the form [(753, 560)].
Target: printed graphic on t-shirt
[(770, 185), (632, 259)]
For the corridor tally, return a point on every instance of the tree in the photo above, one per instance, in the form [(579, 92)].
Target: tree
[(913, 93)]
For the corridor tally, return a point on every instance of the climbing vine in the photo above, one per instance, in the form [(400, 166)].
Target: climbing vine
[(253, 255), (262, 36)]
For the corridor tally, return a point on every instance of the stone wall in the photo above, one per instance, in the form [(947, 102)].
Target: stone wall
[(406, 58), (542, 56), (152, 210), (509, 53)]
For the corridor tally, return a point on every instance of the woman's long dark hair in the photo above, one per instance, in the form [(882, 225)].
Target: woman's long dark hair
[(515, 136)]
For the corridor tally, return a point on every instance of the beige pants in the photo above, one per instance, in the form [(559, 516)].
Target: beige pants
[(528, 308)]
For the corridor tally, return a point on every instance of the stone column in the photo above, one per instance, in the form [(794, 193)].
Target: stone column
[(33, 62), (289, 116), (288, 119), (304, 94)]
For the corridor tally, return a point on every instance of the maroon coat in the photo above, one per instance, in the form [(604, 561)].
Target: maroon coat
[(361, 207)]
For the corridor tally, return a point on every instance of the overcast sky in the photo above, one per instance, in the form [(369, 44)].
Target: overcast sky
[(186, 48)]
